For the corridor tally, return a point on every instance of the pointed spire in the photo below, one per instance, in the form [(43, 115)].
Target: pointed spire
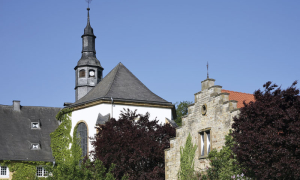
[(88, 20), (88, 30), (88, 56)]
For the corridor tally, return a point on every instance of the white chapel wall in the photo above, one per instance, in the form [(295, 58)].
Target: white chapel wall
[(90, 114)]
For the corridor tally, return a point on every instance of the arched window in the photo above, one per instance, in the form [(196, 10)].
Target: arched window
[(82, 73), (82, 134)]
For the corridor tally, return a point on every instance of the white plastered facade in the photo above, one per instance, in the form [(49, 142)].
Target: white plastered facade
[(90, 114)]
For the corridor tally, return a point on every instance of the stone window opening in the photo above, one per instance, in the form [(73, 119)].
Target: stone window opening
[(204, 109), (204, 141), (82, 73)]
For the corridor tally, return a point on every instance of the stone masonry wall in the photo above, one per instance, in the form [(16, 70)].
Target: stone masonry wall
[(218, 117)]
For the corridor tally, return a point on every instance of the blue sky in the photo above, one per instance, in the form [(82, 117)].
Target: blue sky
[(165, 43)]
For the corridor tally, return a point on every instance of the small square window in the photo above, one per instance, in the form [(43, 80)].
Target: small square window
[(35, 125), (4, 172), (35, 146), (204, 141), (82, 73), (41, 172)]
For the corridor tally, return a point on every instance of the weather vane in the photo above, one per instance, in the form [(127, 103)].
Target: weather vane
[(88, 1), (207, 70)]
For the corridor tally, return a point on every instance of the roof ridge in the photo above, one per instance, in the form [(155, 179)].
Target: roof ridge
[(111, 71), (143, 84), (31, 106), (113, 78), (237, 92)]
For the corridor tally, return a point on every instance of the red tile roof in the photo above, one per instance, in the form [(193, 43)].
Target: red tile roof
[(240, 97)]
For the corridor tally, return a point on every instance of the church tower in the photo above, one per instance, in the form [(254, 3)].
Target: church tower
[(88, 71)]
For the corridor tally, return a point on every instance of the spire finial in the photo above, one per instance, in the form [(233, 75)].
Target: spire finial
[(88, 9), (88, 1), (207, 70)]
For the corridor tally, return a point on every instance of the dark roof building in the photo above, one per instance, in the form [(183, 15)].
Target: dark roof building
[(121, 84), (25, 132)]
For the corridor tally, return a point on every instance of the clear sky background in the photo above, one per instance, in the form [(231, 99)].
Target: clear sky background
[(165, 43)]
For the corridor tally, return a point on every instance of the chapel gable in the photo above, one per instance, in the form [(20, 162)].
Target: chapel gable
[(208, 121)]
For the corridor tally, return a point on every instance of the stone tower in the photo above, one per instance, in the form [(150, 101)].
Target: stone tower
[(88, 71)]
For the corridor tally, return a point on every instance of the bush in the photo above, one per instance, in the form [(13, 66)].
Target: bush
[(187, 155)]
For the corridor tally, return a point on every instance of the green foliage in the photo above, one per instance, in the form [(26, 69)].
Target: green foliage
[(60, 141), (23, 169), (61, 138), (187, 155), (69, 162), (181, 110), (96, 170), (223, 164)]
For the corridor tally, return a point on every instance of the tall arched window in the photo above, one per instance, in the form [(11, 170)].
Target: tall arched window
[(82, 134)]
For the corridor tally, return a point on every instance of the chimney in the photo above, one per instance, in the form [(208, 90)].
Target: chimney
[(16, 105)]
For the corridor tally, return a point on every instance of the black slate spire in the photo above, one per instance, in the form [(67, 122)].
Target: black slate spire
[(88, 70), (88, 46), (88, 30)]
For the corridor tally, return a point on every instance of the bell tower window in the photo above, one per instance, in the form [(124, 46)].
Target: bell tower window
[(99, 75), (91, 73), (82, 73)]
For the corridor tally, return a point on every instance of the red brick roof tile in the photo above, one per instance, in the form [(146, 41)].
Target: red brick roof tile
[(240, 97)]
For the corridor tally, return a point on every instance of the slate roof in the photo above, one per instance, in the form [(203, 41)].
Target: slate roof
[(172, 123), (16, 134), (239, 96), (102, 119), (121, 84)]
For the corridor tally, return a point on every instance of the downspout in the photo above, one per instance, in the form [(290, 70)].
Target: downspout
[(112, 100)]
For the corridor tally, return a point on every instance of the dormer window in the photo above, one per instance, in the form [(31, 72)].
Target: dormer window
[(35, 125), (35, 146), (82, 73), (91, 73)]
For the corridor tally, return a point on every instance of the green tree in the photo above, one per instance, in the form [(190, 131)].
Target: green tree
[(187, 155), (223, 163), (181, 110), (69, 164)]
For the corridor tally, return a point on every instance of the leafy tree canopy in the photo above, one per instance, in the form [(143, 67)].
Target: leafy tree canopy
[(134, 144), (181, 110), (267, 133)]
